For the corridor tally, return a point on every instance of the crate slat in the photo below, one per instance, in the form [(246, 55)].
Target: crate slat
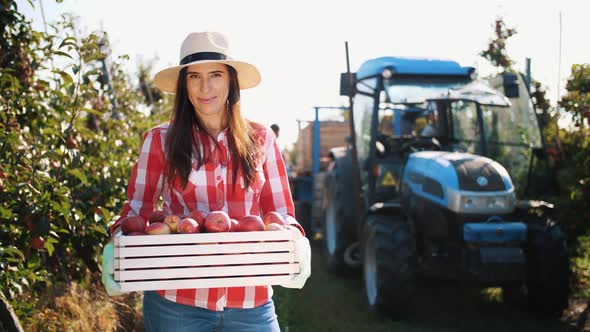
[(200, 272), (246, 258), (192, 249), (203, 283), (203, 238)]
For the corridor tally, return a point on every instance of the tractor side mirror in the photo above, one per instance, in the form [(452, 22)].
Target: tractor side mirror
[(345, 88), (510, 83)]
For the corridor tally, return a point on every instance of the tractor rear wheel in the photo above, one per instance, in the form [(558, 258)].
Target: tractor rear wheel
[(547, 285), (338, 228), (389, 265), (548, 268)]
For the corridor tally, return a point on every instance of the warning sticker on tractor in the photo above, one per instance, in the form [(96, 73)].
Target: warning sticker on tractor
[(388, 180)]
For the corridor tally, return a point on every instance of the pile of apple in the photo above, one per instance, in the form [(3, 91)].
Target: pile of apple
[(198, 221)]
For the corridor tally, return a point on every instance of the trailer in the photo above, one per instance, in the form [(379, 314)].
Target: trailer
[(315, 140)]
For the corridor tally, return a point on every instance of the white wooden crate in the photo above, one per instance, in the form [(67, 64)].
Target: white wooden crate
[(177, 261)]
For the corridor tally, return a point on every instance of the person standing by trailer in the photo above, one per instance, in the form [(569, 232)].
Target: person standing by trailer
[(208, 157), (275, 128)]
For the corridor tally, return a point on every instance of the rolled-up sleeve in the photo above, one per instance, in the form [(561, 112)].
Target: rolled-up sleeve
[(276, 194)]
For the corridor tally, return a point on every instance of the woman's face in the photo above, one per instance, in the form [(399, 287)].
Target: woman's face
[(207, 86)]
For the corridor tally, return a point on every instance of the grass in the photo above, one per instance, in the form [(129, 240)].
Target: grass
[(82, 309), (330, 303)]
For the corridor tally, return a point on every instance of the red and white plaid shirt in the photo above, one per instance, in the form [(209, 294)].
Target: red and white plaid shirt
[(209, 188)]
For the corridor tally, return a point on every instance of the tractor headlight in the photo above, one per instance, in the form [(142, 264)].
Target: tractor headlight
[(472, 202), (486, 203)]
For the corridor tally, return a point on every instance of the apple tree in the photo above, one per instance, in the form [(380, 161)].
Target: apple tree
[(71, 125)]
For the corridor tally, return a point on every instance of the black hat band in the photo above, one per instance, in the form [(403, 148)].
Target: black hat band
[(200, 56)]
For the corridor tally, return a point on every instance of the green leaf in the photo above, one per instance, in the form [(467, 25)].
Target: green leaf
[(49, 131), (12, 251), (75, 69), (49, 247), (68, 41), (94, 72), (92, 111), (63, 54), (59, 208), (5, 213), (106, 213), (99, 229), (79, 175), (65, 76)]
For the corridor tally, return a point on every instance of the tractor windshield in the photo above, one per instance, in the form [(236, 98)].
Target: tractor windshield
[(406, 121), (416, 92), (406, 112), (508, 135)]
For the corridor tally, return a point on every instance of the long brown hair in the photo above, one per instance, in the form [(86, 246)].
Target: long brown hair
[(243, 143)]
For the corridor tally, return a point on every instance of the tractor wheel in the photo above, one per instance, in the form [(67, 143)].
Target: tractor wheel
[(338, 228), (548, 268), (547, 285), (389, 265)]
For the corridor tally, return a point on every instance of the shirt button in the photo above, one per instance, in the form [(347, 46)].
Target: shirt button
[(219, 178)]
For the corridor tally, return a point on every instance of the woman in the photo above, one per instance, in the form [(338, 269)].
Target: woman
[(209, 158)]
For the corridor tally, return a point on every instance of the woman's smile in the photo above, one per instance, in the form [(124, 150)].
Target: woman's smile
[(207, 100)]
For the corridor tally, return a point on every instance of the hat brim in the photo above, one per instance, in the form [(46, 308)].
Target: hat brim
[(248, 75)]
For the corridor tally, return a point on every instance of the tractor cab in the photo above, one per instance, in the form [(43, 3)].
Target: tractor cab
[(393, 117), (417, 104)]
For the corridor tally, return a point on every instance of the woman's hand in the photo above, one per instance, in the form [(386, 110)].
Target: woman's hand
[(304, 257), (108, 271)]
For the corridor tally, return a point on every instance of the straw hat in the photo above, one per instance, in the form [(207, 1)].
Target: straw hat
[(206, 47)]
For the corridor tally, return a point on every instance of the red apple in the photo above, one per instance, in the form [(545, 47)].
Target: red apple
[(273, 218), (157, 216), (37, 243), (136, 233), (71, 143), (274, 227), (250, 223), (133, 224), (217, 221), (234, 225), (188, 225), (157, 228), (172, 222), (199, 216)]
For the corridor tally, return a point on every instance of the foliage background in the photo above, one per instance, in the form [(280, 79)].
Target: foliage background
[(69, 137)]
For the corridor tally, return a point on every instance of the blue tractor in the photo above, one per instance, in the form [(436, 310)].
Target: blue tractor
[(431, 184)]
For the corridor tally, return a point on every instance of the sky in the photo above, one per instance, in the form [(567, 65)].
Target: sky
[(298, 46)]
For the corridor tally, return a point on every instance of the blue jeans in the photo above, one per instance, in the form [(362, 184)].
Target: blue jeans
[(160, 314)]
